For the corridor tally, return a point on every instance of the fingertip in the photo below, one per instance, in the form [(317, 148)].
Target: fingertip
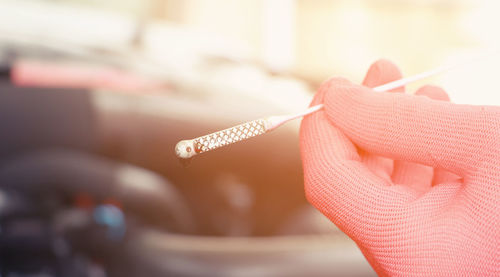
[(342, 103), (334, 82), (433, 92), (342, 91), (382, 72), (326, 86)]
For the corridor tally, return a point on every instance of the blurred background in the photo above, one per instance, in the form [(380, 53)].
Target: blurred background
[(95, 94)]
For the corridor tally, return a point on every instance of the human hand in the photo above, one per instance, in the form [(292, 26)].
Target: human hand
[(413, 180)]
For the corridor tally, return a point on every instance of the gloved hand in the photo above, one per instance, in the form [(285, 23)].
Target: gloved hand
[(412, 179)]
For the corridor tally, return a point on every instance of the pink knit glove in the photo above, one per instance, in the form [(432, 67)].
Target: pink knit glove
[(412, 180)]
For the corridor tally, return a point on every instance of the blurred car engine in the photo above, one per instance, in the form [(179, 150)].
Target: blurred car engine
[(90, 185)]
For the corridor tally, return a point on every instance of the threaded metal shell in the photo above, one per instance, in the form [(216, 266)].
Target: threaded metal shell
[(229, 135)]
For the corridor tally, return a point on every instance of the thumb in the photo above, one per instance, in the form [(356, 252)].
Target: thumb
[(339, 184), (414, 128)]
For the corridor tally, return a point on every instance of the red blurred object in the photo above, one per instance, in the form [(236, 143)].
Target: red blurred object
[(114, 202), (84, 201), (26, 73)]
